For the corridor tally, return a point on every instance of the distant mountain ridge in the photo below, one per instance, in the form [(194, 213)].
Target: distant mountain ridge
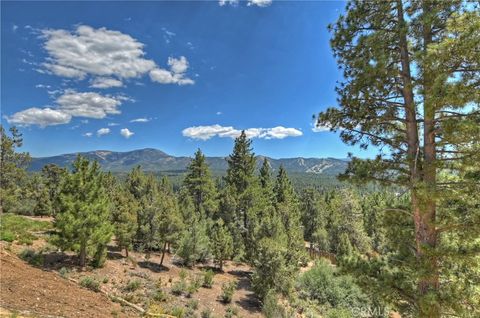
[(156, 161)]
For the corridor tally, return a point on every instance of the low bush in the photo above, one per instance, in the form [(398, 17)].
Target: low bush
[(208, 278), (32, 257), (133, 285), (64, 272), (159, 295), (231, 312), (227, 291), (206, 313), (179, 287), (323, 284), (193, 304), (178, 312), (90, 283)]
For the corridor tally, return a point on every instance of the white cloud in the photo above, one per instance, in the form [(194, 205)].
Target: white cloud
[(140, 120), (125, 132), (230, 2), (103, 131), (39, 116), (105, 82), (207, 132), (89, 104), (260, 3), (87, 134), (14, 27), (176, 75), (70, 104), (112, 124), (320, 128), (106, 55), (218, 113)]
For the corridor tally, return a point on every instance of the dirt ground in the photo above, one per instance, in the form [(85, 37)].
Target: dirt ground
[(34, 292), (42, 292)]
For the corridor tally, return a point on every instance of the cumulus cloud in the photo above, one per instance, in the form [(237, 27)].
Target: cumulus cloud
[(103, 131), (207, 132), (70, 104), (39, 116), (176, 74), (125, 132), (106, 55), (259, 3), (89, 104), (105, 82), (140, 120), (87, 134)]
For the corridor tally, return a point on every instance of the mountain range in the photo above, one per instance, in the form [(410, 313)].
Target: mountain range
[(155, 160)]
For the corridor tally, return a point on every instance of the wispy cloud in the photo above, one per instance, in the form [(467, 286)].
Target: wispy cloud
[(207, 132), (259, 3), (87, 134), (140, 120), (103, 131)]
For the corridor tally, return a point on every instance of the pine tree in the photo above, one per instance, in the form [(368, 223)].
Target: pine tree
[(410, 87), (12, 169), (83, 223), (200, 185), (42, 206), (194, 243), (124, 217), (53, 177), (287, 208), (221, 243), (235, 198)]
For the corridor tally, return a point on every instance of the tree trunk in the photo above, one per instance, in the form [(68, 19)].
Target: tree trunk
[(126, 252), (164, 250), (83, 253), (426, 233)]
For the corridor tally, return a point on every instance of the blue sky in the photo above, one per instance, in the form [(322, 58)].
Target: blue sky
[(169, 75)]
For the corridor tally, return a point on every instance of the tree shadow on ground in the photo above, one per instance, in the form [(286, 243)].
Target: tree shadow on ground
[(250, 303), (154, 267), (54, 261)]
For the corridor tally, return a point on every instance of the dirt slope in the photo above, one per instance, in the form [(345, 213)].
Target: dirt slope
[(45, 294)]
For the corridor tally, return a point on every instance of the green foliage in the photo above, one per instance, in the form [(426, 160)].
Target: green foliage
[(12, 169), (124, 217), (194, 243), (323, 284), (32, 257), (221, 243), (208, 276), (179, 287), (90, 283), (231, 311), (228, 289), (271, 308), (133, 285), (206, 313), (16, 227), (83, 224), (339, 313), (271, 272), (199, 183), (410, 89), (193, 304)]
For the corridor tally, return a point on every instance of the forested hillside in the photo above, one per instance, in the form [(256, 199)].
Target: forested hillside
[(396, 235)]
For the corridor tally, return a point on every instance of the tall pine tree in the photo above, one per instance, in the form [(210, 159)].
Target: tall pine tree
[(411, 87)]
